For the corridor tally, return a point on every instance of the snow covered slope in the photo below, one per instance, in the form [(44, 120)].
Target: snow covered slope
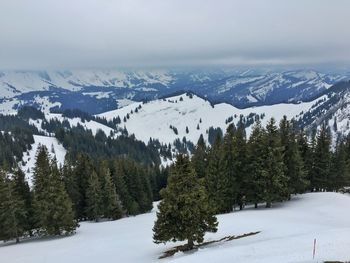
[(54, 148), (287, 234), (153, 119), (88, 125)]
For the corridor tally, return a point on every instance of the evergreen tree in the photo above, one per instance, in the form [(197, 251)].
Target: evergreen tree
[(322, 160), (41, 187), (12, 210), (22, 190), (200, 157), (184, 213), (339, 171), (306, 154), (110, 200), (215, 182), (240, 163), (293, 163), (227, 172), (121, 187), (275, 182), (61, 217), (81, 173), (94, 208), (53, 208), (256, 152)]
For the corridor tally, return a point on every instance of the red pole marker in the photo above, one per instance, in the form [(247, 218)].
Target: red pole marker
[(314, 251)]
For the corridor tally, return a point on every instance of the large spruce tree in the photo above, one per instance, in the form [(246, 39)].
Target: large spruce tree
[(200, 157), (111, 204), (275, 181), (184, 213), (227, 171), (322, 160), (256, 152), (12, 210), (94, 208), (53, 207), (293, 163), (215, 182)]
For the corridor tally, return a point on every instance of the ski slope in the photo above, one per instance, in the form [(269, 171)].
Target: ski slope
[(154, 118), (287, 234)]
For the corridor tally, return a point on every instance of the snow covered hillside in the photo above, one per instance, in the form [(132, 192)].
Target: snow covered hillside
[(153, 119), (55, 150), (287, 234)]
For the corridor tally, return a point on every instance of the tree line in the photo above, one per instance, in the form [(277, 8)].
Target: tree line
[(274, 163), (83, 189)]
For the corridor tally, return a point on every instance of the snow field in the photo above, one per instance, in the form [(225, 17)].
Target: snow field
[(287, 233)]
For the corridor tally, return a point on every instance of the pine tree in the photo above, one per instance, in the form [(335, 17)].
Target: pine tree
[(215, 182), (256, 164), (41, 186), (61, 217), (52, 205), (22, 190), (184, 213), (275, 182), (306, 154), (111, 204), (240, 163), (200, 157), (322, 160), (339, 171), (293, 163), (121, 187), (94, 208), (227, 172), (12, 210), (82, 171)]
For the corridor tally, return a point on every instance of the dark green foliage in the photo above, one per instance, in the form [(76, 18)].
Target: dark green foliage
[(53, 207), (274, 179), (340, 169), (322, 161), (94, 201), (240, 164), (184, 213), (111, 204), (227, 172), (29, 112), (293, 163), (256, 152), (200, 157), (215, 182), (12, 210), (22, 190), (78, 140)]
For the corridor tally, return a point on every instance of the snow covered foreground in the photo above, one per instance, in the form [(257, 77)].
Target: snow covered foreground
[(287, 234)]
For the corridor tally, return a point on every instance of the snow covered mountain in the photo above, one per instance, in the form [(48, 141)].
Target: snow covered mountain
[(274, 87), (189, 116), (97, 91)]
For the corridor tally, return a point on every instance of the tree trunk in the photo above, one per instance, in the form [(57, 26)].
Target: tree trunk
[(17, 240), (268, 204), (190, 244), (256, 205)]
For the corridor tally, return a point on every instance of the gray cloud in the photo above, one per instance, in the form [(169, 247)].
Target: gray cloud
[(122, 33)]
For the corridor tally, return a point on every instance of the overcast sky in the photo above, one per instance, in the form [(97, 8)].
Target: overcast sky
[(42, 34)]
